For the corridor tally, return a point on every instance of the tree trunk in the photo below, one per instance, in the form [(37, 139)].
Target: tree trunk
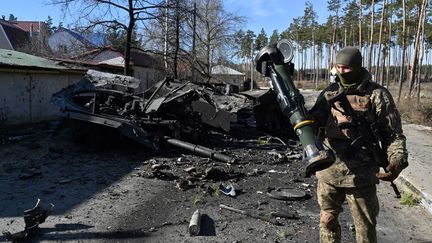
[(388, 51), (379, 43), (345, 37), (369, 65), (422, 51), (177, 40), (401, 74), (382, 80), (314, 58), (129, 31), (416, 49), (194, 42), (360, 23), (166, 38)]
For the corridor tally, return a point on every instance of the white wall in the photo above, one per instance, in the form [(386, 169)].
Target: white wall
[(25, 97), (237, 80)]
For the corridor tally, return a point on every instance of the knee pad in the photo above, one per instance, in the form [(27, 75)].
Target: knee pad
[(328, 220)]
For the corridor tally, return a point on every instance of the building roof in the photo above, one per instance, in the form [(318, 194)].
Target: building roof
[(76, 35), (30, 26), (224, 70), (17, 36), (89, 56), (23, 61), (138, 57)]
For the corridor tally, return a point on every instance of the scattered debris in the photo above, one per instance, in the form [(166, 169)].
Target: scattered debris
[(284, 214), (195, 223), (278, 157), (10, 138), (163, 175), (65, 181), (32, 218), (216, 174), (190, 169), (351, 227), (160, 167), (228, 190), (278, 172), (266, 218), (184, 185), (286, 194)]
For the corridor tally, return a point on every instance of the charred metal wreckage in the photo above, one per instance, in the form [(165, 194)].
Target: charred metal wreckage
[(170, 112), (33, 218)]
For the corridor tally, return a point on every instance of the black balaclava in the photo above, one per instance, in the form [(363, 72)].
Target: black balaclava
[(350, 56)]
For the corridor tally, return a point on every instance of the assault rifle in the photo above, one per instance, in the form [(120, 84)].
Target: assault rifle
[(367, 134)]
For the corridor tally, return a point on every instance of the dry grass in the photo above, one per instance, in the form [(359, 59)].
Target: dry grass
[(413, 111)]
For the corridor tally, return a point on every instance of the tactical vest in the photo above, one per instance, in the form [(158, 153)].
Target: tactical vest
[(339, 124)]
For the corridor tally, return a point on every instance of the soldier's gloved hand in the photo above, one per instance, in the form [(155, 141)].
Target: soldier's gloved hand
[(393, 171)]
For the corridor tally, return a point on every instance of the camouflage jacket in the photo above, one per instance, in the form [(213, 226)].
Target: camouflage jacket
[(356, 167)]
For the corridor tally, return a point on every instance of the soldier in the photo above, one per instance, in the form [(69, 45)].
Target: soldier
[(355, 173)]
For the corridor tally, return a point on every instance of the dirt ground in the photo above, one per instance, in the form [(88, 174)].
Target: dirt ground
[(110, 193)]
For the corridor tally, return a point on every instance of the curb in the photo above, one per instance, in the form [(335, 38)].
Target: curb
[(426, 199)]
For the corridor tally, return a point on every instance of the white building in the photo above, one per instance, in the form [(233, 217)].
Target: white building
[(223, 74)]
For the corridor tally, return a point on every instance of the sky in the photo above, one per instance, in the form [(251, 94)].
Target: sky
[(267, 14)]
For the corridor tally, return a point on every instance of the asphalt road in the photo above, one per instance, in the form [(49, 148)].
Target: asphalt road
[(106, 195)]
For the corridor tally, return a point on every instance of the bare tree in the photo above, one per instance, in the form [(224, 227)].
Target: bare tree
[(401, 74), (114, 14), (360, 24), (333, 6), (200, 33), (423, 20), (372, 23), (380, 41), (422, 9), (214, 36)]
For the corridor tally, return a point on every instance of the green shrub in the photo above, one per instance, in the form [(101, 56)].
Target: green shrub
[(409, 199)]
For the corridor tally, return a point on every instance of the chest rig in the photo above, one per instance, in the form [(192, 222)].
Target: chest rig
[(345, 109)]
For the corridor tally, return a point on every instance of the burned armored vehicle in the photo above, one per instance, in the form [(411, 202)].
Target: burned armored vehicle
[(171, 111)]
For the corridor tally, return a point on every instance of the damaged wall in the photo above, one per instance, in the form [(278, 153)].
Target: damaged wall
[(25, 96)]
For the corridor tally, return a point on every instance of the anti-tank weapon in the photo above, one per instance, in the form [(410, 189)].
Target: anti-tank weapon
[(274, 61)]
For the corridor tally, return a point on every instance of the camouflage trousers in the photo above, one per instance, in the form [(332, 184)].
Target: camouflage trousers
[(363, 203)]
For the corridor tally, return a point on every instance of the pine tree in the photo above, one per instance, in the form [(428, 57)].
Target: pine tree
[(261, 40), (274, 38)]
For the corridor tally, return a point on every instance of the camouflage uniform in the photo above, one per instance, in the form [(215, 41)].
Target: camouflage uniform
[(353, 175)]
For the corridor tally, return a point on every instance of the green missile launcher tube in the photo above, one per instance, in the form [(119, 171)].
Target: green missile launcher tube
[(274, 61)]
